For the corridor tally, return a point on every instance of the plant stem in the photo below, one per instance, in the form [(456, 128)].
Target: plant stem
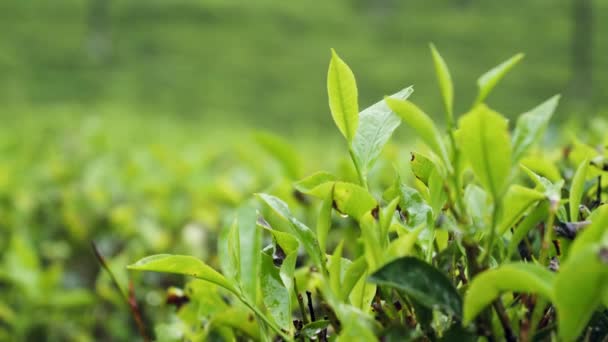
[(548, 233), (504, 320), (263, 317), (486, 254), (300, 303), (128, 298), (362, 177)]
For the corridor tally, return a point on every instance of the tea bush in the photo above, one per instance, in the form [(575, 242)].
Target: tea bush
[(478, 234)]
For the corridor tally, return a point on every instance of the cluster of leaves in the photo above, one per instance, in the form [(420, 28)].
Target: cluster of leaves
[(487, 240)]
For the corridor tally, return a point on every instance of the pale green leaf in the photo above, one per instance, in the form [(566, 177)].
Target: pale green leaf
[(376, 125), (343, 97), (578, 290), (335, 270), (311, 184), (324, 220), (520, 277), (531, 126), (516, 202), (352, 275), (250, 244), (593, 233), (353, 200), (536, 215), (422, 167), (184, 265), (484, 140), (423, 125), (488, 81), (445, 82), (577, 188)]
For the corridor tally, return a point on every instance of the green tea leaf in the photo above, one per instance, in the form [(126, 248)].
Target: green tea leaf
[(310, 184), (422, 167), (282, 151), (478, 206), (343, 97), (578, 286), (519, 277), (228, 249), (531, 126), (536, 215), (376, 125), (413, 207), (404, 244), (275, 295), (422, 282), (300, 230), (250, 244), (488, 81), (335, 269), (184, 265), (324, 220), (576, 190), (423, 125), (353, 200), (352, 275), (516, 202), (484, 140), (445, 82), (592, 233)]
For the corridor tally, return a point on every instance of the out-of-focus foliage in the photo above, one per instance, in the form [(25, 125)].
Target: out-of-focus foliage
[(254, 60)]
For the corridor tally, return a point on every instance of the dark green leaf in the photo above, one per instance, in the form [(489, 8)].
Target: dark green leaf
[(488, 81), (422, 282)]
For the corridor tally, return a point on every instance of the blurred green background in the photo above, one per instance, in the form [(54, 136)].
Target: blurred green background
[(130, 123), (264, 62)]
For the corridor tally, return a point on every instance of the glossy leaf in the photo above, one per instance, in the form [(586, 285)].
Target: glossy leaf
[(490, 79), (531, 126), (478, 206), (577, 188), (520, 277), (422, 282), (312, 329), (423, 125), (275, 295), (413, 207), (578, 287), (184, 265), (445, 82), (343, 97), (376, 125), (305, 236), (516, 202), (484, 140)]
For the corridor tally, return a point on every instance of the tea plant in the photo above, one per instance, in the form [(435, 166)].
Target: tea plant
[(475, 239)]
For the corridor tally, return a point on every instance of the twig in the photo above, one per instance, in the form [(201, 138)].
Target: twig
[(300, 303), (128, 298), (504, 320), (310, 307)]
